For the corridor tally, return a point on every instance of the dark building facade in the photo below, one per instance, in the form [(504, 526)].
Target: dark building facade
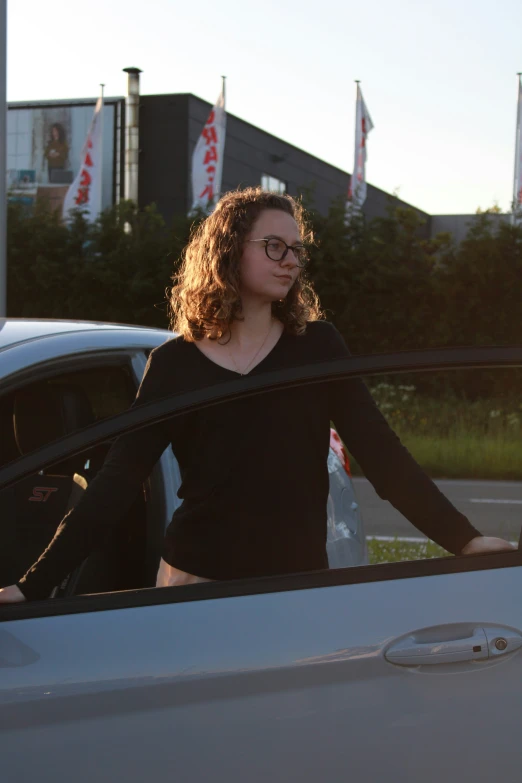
[(170, 126)]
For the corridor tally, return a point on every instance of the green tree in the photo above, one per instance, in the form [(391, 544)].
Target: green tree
[(480, 280), (116, 269)]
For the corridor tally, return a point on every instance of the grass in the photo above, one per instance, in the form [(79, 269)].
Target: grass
[(397, 551), (451, 437), (464, 455), (468, 455)]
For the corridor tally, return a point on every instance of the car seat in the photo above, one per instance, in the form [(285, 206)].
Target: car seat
[(31, 510), (34, 506)]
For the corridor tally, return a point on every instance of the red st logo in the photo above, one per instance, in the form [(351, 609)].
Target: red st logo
[(42, 494)]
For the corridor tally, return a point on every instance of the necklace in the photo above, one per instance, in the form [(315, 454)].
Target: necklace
[(254, 356)]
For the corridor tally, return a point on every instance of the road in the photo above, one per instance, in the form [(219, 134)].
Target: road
[(493, 507)]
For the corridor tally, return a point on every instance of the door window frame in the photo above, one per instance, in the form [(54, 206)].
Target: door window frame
[(411, 361)]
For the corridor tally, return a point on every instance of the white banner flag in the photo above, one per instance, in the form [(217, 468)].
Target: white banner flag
[(517, 187), (363, 125), (207, 159), (85, 192)]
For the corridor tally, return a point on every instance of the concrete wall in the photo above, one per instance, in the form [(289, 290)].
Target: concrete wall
[(459, 225)]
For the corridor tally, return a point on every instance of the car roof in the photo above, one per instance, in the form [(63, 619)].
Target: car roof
[(15, 331)]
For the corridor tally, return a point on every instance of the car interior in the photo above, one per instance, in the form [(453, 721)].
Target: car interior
[(31, 510)]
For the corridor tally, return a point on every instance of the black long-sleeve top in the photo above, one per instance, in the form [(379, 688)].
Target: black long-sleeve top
[(254, 471)]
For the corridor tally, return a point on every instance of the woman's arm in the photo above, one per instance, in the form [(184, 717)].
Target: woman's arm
[(389, 466), (392, 470)]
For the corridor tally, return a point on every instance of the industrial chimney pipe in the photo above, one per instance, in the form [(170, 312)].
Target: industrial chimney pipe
[(132, 134)]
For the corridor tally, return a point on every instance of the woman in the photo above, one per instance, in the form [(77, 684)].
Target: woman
[(57, 150), (254, 471)]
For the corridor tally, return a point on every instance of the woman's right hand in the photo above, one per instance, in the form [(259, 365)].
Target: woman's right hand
[(11, 595)]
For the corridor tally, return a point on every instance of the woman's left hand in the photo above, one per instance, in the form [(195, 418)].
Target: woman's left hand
[(483, 545)]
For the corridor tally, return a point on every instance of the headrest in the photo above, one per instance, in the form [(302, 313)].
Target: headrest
[(47, 411)]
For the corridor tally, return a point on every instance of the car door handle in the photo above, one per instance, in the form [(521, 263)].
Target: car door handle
[(453, 644)]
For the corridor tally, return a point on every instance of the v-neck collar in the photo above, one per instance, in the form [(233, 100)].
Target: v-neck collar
[(235, 372)]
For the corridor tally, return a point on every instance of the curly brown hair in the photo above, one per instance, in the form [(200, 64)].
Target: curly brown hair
[(205, 299)]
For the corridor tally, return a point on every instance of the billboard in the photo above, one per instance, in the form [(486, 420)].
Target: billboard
[(44, 146)]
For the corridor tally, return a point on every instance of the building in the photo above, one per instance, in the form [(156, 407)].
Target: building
[(169, 127), (459, 225), (44, 145)]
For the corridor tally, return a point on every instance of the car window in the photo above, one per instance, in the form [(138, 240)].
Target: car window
[(110, 390), (39, 412), (462, 428)]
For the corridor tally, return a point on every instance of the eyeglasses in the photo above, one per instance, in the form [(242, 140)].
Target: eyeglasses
[(277, 250)]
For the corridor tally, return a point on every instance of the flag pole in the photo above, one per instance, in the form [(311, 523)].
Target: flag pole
[(3, 158), (518, 151)]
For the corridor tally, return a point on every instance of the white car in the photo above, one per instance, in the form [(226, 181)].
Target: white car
[(406, 671)]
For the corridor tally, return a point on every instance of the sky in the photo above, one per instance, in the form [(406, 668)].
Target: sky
[(439, 79)]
